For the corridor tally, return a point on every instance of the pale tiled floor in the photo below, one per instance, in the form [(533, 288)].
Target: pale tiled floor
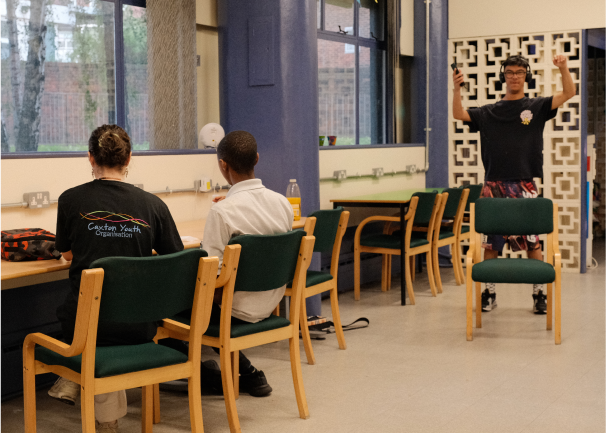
[(412, 370)]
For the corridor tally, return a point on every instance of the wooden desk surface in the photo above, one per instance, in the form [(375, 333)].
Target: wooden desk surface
[(193, 231), (402, 196)]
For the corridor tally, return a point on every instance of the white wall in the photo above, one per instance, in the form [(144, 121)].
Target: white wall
[(362, 161), (470, 18), (58, 174)]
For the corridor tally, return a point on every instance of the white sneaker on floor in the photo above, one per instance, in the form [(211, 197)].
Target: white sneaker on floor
[(65, 391), (106, 427)]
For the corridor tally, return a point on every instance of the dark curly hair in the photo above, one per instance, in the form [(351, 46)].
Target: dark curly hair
[(110, 146), (516, 60), (239, 150)]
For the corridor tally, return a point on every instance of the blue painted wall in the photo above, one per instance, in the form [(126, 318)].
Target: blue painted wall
[(437, 176), (283, 117)]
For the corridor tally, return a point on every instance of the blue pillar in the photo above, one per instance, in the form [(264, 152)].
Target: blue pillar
[(437, 176), (268, 65)]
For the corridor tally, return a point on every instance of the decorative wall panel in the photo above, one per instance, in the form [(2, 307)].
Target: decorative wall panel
[(480, 60)]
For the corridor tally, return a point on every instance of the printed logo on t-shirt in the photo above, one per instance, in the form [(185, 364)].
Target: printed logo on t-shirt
[(110, 224), (526, 116)]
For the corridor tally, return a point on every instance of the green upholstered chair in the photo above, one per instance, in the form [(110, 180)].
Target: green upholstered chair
[(447, 225), (254, 263), (424, 213), (329, 228), (506, 216), (128, 290)]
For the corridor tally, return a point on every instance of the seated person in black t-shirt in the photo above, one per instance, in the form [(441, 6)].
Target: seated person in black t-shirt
[(511, 133), (102, 218)]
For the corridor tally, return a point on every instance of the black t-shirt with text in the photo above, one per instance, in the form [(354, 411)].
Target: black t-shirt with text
[(105, 218), (512, 137)]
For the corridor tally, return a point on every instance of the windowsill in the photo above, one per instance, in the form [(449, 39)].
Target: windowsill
[(371, 146), (33, 155)]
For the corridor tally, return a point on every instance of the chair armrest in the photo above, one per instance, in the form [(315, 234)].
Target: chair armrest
[(175, 329), (51, 343)]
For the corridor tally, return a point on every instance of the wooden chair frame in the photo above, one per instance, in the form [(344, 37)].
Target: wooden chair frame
[(230, 347), (84, 343), (553, 257), (454, 240), (409, 252), (330, 285), (386, 259)]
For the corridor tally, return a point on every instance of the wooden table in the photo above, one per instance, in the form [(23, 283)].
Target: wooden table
[(396, 199), (191, 232)]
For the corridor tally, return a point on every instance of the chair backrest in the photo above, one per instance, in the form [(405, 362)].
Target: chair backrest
[(508, 216), (146, 289), (267, 262), (327, 226), (452, 204), (474, 193), (424, 208)]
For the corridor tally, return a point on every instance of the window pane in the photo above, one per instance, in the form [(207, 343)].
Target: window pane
[(371, 19), (55, 106), (337, 91), (135, 56), (339, 13), (372, 96)]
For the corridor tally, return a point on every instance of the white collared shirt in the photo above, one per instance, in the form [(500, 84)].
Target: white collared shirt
[(248, 209)]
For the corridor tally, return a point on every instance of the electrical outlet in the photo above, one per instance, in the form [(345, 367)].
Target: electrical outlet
[(138, 185), (340, 174), (411, 168), (377, 172), (203, 185), (37, 200)]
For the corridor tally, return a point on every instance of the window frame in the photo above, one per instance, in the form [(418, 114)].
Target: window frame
[(120, 78), (358, 41)]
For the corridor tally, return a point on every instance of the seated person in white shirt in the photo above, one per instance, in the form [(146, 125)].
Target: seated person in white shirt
[(248, 208)]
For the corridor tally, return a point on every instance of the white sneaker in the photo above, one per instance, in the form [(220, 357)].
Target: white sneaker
[(106, 427), (65, 391)]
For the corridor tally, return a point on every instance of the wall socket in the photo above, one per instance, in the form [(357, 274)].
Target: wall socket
[(340, 174), (203, 185), (37, 200), (377, 172)]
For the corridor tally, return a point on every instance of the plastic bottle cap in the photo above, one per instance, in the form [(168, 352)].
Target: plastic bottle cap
[(293, 180)]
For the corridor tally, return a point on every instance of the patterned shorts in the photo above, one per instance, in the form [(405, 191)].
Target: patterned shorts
[(510, 189)]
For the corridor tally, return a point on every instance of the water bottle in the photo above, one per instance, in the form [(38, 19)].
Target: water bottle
[(294, 197)]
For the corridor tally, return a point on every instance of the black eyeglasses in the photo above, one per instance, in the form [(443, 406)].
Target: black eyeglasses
[(519, 74)]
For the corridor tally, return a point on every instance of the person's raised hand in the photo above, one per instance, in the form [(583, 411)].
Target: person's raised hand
[(457, 79), (560, 61)]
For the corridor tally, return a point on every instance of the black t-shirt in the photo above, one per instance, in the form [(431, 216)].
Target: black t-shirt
[(105, 218), (512, 137)]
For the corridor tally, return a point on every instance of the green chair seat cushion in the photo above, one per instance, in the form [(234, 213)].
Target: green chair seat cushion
[(513, 271), (115, 360), (392, 241), (242, 329), (445, 234), (314, 278)]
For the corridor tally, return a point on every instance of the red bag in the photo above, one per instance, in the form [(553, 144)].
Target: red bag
[(28, 244)]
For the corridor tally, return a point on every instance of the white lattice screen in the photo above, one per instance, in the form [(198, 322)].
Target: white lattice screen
[(480, 60)]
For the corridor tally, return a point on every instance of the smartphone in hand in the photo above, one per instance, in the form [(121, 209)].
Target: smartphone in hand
[(454, 68)]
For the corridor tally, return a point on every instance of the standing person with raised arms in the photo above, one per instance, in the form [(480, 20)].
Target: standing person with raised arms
[(511, 132)]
